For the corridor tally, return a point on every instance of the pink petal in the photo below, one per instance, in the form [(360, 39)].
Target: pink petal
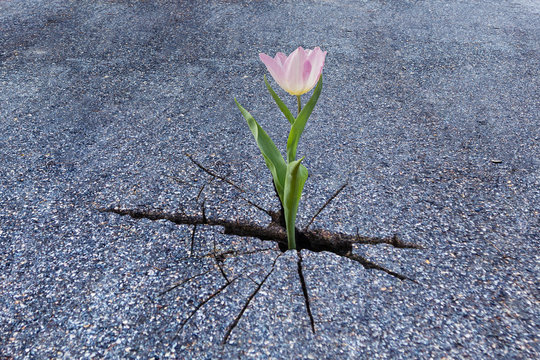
[(293, 71), (280, 58), (316, 59), (307, 71), (273, 67)]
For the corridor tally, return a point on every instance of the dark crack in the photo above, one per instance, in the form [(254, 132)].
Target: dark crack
[(219, 261), (314, 240), (233, 324), (201, 304), (224, 179), (202, 189), (371, 265), (305, 292), (180, 283), (191, 247), (226, 254), (325, 205), (235, 253)]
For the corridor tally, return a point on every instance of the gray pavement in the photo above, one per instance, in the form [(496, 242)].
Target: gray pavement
[(429, 111)]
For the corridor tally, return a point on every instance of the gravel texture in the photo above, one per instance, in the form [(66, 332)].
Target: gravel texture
[(430, 112)]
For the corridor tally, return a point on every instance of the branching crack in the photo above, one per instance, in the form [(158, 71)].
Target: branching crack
[(219, 261), (224, 179), (371, 265), (226, 254), (305, 292), (325, 205), (235, 253), (201, 304), (248, 301), (314, 240), (180, 283)]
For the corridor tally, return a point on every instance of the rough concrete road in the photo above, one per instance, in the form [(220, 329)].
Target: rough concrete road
[(429, 112)]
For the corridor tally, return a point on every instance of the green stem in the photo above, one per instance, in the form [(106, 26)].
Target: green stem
[(290, 217), (291, 241)]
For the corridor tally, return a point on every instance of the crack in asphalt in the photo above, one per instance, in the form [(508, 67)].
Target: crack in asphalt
[(305, 291), (371, 265), (219, 261), (325, 205), (182, 282), (232, 325), (191, 247), (317, 241), (314, 240), (215, 175), (200, 305)]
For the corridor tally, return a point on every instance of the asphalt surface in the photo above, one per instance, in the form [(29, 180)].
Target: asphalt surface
[(429, 111)]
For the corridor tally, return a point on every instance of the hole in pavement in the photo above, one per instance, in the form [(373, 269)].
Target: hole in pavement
[(313, 240)]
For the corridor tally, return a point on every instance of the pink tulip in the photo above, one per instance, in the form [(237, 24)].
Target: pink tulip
[(297, 73)]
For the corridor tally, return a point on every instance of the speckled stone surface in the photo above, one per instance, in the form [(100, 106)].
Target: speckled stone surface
[(430, 112)]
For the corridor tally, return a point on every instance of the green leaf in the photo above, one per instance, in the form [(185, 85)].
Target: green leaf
[(294, 184), (284, 109), (272, 157), (300, 123)]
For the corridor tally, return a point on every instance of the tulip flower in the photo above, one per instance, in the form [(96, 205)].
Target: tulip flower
[(297, 74)]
